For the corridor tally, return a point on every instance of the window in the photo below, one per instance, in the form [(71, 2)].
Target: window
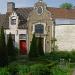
[(40, 10), (39, 28), (22, 36), (13, 20)]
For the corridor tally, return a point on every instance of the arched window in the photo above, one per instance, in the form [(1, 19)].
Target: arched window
[(39, 28)]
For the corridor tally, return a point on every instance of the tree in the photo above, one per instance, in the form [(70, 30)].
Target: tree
[(33, 47), (11, 49), (3, 50), (40, 47), (66, 5)]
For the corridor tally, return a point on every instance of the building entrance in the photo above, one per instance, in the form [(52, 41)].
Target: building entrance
[(23, 47)]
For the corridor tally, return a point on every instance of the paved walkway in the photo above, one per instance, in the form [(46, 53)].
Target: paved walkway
[(73, 72)]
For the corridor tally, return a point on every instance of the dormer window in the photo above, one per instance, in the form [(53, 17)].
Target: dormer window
[(13, 20)]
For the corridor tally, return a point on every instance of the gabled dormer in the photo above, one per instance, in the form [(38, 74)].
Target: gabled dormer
[(13, 21)]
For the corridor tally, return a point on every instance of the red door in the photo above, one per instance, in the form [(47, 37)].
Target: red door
[(23, 47)]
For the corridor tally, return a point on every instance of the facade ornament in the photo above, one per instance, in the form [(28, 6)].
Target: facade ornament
[(9, 0), (40, 0)]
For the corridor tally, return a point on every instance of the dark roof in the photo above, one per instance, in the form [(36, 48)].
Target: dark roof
[(23, 13), (3, 21)]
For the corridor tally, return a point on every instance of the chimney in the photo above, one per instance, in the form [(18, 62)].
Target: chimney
[(10, 7)]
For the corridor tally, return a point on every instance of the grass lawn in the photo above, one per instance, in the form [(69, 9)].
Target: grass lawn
[(62, 70), (32, 67), (35, 67)]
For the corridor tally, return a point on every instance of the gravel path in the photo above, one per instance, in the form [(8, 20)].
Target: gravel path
[(73, 72)]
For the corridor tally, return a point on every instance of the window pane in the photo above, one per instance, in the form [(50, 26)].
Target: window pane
[(22, 36), (39, 28), (13, 21)]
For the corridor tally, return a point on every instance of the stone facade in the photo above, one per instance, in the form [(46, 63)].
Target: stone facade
[(46, 20)]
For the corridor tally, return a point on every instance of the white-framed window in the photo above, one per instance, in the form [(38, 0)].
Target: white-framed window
[(22, 36), (39, 28), (13, 20)]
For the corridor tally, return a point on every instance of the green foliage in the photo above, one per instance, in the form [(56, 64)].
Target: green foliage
[(24, 69), (33, 48), (40, 47), (57, 70), (4, 71), (11, 49), (66, 5), (57, 55), (3, 51), (13, 69), (72, 56), (36, 47), (39, 69), (34, 69)]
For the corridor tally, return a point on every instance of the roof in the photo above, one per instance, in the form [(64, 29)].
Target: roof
[(23, 13), (62, 13), (3, 21)]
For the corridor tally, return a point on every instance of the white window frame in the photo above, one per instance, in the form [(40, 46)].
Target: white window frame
[(33, 31), (13, 18)]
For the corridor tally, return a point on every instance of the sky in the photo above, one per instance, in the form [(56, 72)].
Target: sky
[(30, 3)]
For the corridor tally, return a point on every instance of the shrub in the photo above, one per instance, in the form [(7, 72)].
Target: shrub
[(3, 50), (72, 56), (11, 49), (4, 71), (36, 48), (33, 48), (24, 69), (57, 70), (13, 69), (57, 55), (39, 69), (40, 47)]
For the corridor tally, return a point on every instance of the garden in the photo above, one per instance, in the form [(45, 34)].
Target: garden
[(36, 62)]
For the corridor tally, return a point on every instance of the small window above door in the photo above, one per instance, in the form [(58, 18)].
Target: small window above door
[(39, 28)]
